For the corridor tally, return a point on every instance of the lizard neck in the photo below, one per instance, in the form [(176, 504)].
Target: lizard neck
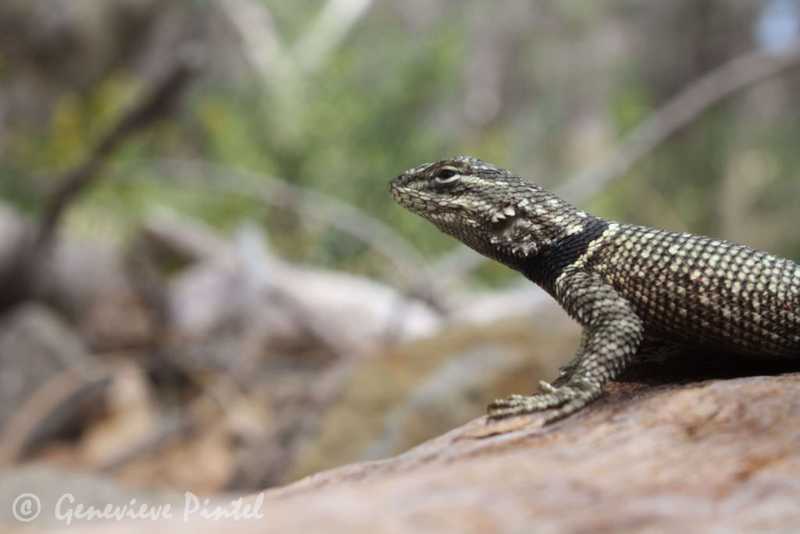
[(537, 234), (554, 252), (531, 231), (544, 268)]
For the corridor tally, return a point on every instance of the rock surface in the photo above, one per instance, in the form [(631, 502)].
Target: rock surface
[(708, 456)]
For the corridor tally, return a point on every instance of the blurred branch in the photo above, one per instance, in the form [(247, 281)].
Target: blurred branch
[(156, 104), (313, 205), (688, 106), (255, 259), (262, 47), (281, 72), (170, 427), (711, 89), (266, 54), (329, 29), (19, 279), (46, 412)]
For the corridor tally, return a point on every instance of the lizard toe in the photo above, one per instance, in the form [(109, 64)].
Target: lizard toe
[(520, 405)]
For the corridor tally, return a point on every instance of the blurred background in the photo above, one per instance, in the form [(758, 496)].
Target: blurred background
[(204, 283)]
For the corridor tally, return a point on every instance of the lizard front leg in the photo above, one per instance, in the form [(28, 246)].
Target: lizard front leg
[(565, 371), (611, 338), (650, 350)]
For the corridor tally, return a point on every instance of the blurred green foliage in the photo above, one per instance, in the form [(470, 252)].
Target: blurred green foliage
[(378, 105)]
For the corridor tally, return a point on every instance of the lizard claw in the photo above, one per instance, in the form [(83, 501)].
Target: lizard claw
[(520, 404), (547, 386), (568, 399)]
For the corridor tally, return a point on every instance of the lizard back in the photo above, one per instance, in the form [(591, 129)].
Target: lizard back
[(701, 291)]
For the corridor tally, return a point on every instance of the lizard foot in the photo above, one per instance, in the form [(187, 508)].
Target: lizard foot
[(568, 399)]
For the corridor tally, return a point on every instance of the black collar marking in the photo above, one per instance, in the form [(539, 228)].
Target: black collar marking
[(545, 268)]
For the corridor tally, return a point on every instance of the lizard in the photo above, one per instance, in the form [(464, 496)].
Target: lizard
[(636, 291)]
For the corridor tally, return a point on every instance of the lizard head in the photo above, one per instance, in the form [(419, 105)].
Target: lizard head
[(462, 191), (486, 207)]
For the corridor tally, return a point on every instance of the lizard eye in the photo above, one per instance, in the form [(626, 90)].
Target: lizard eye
[(446, 175)]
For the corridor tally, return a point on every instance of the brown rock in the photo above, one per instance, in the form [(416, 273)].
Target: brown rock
[(713, 456)]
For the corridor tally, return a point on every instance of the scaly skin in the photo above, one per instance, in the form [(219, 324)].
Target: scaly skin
[(635, 290)]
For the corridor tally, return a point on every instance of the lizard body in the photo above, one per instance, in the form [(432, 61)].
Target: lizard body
[(635, 290)]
